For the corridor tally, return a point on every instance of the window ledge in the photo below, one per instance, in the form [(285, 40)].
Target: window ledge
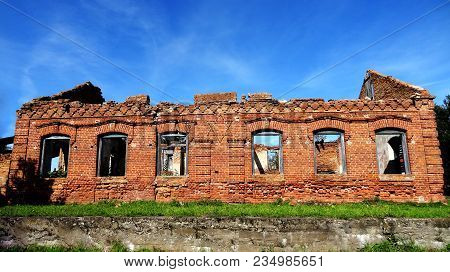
[(268, 177), (118, 179), (396, 177), (172, 180), (175, 177), (338, 177), (58, 178)]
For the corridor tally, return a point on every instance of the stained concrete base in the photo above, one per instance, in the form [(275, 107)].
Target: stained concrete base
[(221, 234)]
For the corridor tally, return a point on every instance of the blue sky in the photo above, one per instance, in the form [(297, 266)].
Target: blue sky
[(186, 47)]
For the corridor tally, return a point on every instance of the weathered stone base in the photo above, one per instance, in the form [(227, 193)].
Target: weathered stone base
[(221, 234)]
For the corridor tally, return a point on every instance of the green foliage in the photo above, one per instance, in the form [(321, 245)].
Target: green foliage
[(117, 246), (376, 208), (443, 128), (40, 248), (57, 174), (278, 202), (394, 244)]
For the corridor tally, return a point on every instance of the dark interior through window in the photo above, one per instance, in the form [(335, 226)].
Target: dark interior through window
[(112, 159), (55, 156)]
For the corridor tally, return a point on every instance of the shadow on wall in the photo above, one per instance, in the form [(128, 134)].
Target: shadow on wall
[(2, 199), (27, 187), (443, 128)]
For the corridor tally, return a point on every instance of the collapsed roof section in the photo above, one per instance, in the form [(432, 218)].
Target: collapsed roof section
[(86, 100), (377, 86), (85, 93), (85, 97)]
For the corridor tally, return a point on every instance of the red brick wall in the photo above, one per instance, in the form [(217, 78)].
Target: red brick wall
[(219, 150), (4, 169)]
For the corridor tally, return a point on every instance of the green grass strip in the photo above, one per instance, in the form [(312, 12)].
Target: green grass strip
[(377, 209)]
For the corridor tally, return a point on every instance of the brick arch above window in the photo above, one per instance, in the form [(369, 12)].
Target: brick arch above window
[(170, 126), (183, 127), (267, 130), (389, 123), (329, 124), (267, 124), (116, 128), (47, 130), (112, 134), (46, 136)]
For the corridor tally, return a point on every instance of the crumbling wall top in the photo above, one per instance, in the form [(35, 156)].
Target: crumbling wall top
[(388, 87), (84, 93), (215, 97), (85, 100), (141, 98), (263, 96)]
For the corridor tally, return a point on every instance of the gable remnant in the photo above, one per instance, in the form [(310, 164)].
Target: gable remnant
[(377, 86)]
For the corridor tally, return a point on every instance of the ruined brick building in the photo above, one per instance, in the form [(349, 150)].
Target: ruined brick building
[(75, 147)]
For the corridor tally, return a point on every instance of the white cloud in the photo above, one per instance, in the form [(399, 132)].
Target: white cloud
[(8, 131), (237, 68)]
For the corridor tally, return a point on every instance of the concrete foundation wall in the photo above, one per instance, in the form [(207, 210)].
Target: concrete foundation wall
[(222, 234)]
